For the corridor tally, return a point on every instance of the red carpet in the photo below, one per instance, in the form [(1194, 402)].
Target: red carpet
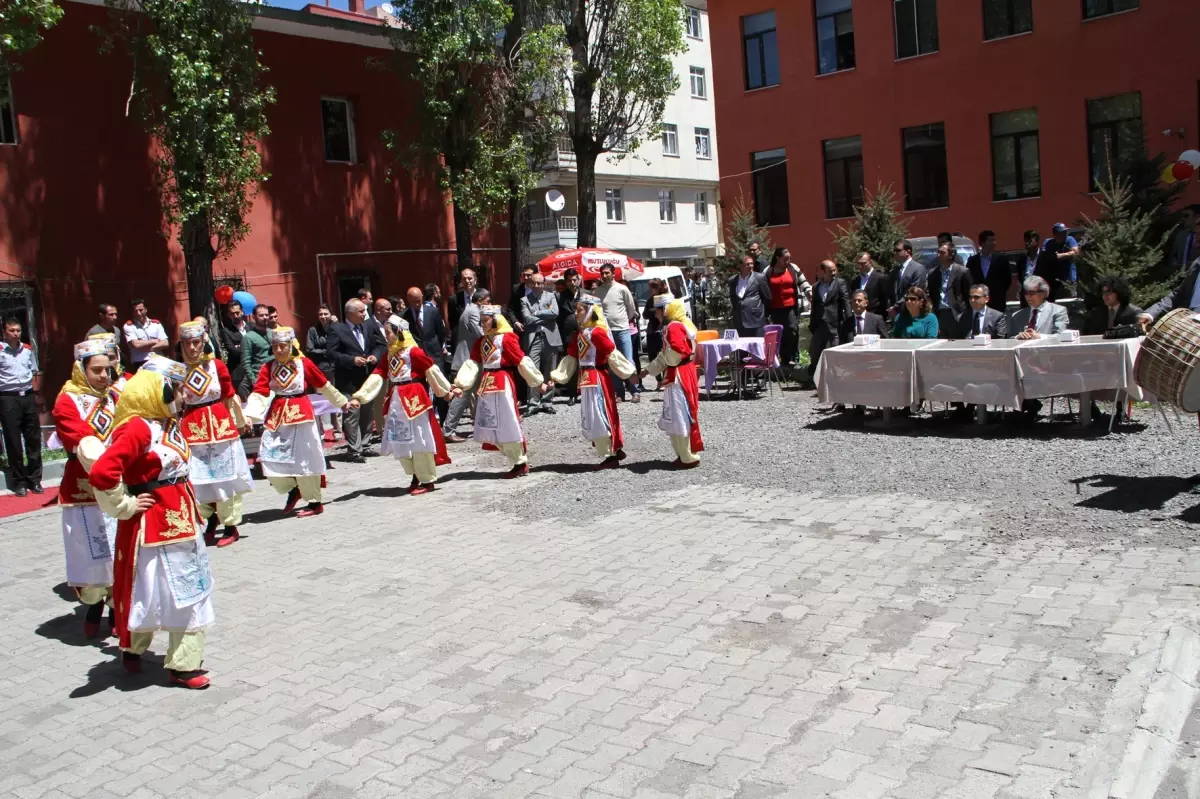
[(11, 504)]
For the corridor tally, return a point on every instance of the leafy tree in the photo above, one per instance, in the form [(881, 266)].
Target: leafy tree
[(620, 75), (482, 108), (197, 86), (740, 234), (22, 23), (877, 226), (1121, 241)]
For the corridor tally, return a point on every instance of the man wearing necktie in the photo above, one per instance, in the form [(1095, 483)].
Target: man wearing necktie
[(982, 319), (1187, 242), (355, 346), (1042, 317), (862, 320)]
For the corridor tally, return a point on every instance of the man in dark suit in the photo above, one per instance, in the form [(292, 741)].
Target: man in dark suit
[(460, 299), (830, 313), (568, 327), (355, 347), (1026, 264), (948, 288), (519, 292), (909, 272), (873, 282), (425, 324), (981, 318), (750, 298), (760, 263), (1185, 295), (862, 320), (1116, 308), (993, 269)]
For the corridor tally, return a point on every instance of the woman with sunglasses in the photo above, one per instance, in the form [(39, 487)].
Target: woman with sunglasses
[(916, 319)]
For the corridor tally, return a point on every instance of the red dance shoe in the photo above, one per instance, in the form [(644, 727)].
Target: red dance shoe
[(313, 509), (231, 536), (415, 482), (210, 531), (620, 454), (611, 462), (131, 662), (92, 619), (293, 499), (516, 471), (190, 679), (419, 489), (691, 465)]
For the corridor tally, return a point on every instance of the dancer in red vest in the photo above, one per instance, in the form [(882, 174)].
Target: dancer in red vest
[(681, 390)]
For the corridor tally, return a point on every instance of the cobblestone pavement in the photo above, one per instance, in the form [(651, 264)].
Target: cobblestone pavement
[(679, 647)]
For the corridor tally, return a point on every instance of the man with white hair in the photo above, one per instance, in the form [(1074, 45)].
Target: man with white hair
[(1042, 317), (355, 347)]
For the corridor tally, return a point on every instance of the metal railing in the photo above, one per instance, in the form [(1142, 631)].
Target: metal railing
[(549, 223)]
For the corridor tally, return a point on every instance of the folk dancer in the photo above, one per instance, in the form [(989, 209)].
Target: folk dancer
[(291, 451), (593, 351), (115, 368), (497, 420), (681, 394), (85, 408), (161, 577), (213, 424), (411, 432)]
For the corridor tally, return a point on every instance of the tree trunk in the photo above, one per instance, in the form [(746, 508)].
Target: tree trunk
[(462, 238), (519, 228), (583, 90), (585, 163), (198, 255)]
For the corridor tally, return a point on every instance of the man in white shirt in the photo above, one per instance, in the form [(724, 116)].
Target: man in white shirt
[(144, 335), (619, 307), (909, 273)]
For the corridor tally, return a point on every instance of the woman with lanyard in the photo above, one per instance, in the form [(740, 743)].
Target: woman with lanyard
[(790, 296), (161, 578), (213, 425), (411, 432), (681, 390), (593, 351), (292, 452), (85, 408)]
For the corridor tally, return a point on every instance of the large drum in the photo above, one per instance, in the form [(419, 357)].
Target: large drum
[(1166, 364)]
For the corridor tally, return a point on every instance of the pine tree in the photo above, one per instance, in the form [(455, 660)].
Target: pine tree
[(1122, 241), (877, 226), (742, 232)]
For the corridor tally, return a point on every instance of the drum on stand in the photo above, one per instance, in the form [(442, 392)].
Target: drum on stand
[(1167, 363)]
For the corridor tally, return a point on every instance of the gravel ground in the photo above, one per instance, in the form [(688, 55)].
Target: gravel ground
[(1138, 485)]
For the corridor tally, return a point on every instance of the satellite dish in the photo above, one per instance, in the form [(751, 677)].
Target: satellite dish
[(555, 200)]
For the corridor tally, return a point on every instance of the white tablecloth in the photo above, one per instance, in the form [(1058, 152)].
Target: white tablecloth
[(713, 351), (883, 377), (960, 371), (1051, 369)]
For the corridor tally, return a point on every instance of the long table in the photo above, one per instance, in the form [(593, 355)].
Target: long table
[(902, 372)]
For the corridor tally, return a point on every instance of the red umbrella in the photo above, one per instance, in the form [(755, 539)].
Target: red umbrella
[(587, 261)]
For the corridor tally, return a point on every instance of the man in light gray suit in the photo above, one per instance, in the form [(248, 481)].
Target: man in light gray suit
[(541, 339), (750, 298), (908, 273), (469, 331), (1042, 317)]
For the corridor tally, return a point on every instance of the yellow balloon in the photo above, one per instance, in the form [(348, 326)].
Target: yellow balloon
[(1168, 176)]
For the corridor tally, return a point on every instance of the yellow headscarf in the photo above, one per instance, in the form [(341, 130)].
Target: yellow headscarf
[(280, 334), (595, 317), (194, 330), (404, 338), (674, 312), (142, 398), (501, 324), (114, 352)]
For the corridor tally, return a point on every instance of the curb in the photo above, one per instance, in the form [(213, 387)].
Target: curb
[(1173, 690)]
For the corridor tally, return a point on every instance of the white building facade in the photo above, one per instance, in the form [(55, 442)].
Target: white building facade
[(658, 204)]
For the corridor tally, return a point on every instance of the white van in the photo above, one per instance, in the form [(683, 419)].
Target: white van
[(672, 275)]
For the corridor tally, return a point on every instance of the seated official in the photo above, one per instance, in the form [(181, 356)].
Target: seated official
[(916, 319), (1042, 317), (1116, 311), (863, 321), (982, 319)]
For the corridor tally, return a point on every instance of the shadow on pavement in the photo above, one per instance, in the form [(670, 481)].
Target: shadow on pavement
[(385, 492), (645, 467), (109, 673), (1128, 494), (68, 629), (566, 468), (66, 592)]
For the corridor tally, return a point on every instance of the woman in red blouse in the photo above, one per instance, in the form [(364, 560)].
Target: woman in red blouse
[(790, 294)]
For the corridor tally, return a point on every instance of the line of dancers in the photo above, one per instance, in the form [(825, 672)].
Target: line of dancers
[(156, 463)]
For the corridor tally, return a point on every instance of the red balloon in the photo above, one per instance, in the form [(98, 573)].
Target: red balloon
[(1182, 170), (224, 294)]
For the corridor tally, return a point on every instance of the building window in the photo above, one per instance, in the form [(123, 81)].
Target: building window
[(670, 140), (1102, 8), (691, 20), (703, 143), (1016, 167), (1006, 18), (699, 83), (835, 36), (701, 210), (618, 140), (770, 187), (843, 176), (337, 123), (916, 27), (666, 205), (8, 119), (1114, 135), (762, 50), (926, 178), (614, 205)]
